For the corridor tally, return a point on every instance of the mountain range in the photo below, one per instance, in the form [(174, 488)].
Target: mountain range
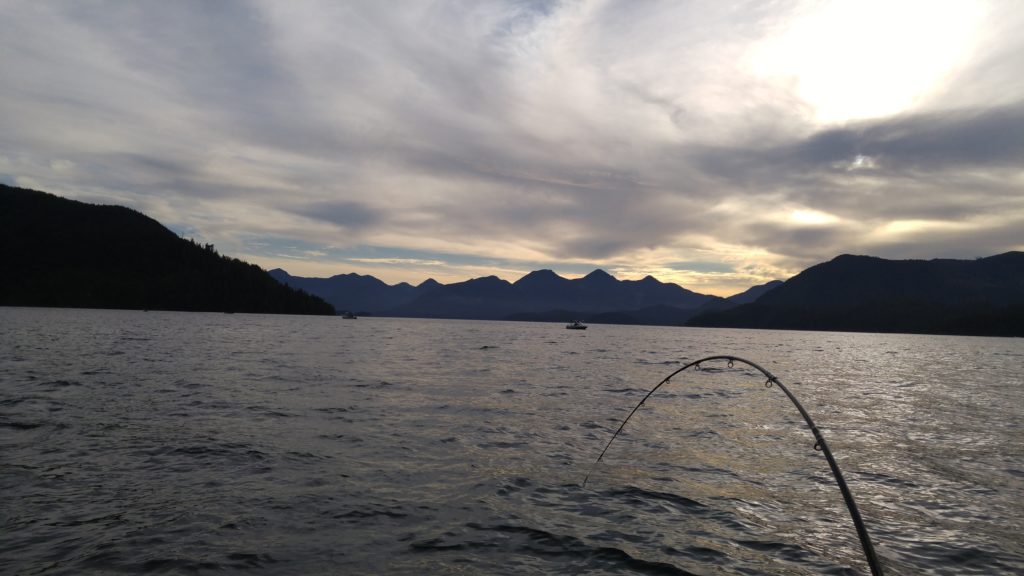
[(984, 296), (541, 295)]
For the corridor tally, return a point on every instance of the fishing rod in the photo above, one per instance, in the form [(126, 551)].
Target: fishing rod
[(819, 445)]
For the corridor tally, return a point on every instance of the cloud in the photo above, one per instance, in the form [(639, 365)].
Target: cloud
[(520, 134), (961, 166), (350, 215), (698, 266), (400, 261)]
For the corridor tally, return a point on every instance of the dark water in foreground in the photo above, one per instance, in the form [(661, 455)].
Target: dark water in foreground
[(208, 443)]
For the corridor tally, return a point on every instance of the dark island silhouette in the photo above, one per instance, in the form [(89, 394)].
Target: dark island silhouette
[(64, 253), (983, 297)]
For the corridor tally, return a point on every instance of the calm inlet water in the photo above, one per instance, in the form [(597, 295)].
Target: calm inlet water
[(211, 443)]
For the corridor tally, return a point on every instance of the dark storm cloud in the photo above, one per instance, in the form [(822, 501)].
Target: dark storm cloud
[(958, 166), (350, 215), (919, 166), (973, 138), (963, 243), (800, 242), (942, 142), (938, 141)]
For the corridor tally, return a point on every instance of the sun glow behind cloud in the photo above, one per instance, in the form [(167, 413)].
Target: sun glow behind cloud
[(811, 217), (858, 59), (898, 229)]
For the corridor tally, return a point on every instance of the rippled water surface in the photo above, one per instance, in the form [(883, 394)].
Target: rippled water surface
[(213, 443)]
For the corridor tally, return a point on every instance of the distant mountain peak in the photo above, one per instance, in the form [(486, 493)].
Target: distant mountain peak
[(490, 280), (429, 283), (544, 273), (851, 257), (599, 274), (539, 279), (352, 275)]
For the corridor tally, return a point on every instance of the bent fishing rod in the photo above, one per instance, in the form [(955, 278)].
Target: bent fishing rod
[(819, 445)]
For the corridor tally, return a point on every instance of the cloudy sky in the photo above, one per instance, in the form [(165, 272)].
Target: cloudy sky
[(715, 144)]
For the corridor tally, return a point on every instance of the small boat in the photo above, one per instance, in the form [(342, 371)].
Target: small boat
[(576, 325), (348, 316)]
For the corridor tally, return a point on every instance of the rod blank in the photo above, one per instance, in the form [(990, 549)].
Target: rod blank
[(819, 444)]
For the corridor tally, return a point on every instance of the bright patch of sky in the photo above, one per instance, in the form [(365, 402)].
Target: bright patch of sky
[(861, 59)]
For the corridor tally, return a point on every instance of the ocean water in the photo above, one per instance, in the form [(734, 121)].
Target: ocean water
[(183, 443)]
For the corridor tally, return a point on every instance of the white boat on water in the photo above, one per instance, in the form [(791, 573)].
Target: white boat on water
[(576, 325)]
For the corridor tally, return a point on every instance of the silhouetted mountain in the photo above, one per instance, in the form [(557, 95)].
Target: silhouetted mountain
[(687, 304), (537, 295), (428, 284), (543, 291), (754, 292), (64, 253), (747, 296), (863, 293), (487, 298), (352, 292), (540, 281)]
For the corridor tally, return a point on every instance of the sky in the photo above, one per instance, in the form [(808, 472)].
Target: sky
[(710, 143)]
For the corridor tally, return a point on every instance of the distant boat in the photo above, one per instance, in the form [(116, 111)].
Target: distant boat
[(576, 325), (348, 316)]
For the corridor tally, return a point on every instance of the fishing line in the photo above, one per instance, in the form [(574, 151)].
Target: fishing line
[(819, 445)]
